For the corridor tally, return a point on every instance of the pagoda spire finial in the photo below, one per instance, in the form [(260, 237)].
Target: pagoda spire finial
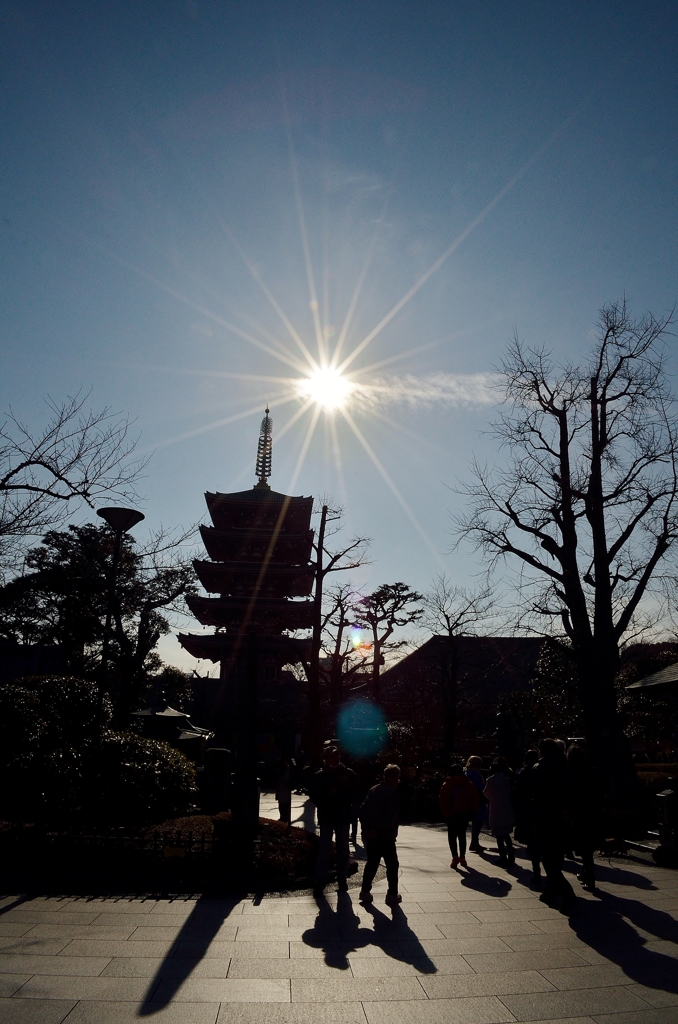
[(264, 452)]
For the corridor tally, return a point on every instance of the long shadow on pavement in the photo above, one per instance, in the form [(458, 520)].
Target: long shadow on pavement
[(605, 927), (490, 885), (339, 933), (190, 946)]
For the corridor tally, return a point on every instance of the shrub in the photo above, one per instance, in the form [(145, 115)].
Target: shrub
[(141, 780)]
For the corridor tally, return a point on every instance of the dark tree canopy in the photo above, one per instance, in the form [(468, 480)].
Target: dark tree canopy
[(391, 606), (61, 599)]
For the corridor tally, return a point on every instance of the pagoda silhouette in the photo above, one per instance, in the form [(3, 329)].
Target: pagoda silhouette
[(259, 547)]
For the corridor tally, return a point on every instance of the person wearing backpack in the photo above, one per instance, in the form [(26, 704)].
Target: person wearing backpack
[(459, 801)]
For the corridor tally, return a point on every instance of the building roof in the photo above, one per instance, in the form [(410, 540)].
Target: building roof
[(485, 667), (662, 678)]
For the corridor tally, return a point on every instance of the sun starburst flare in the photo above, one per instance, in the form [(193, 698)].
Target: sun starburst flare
[(327, 387)]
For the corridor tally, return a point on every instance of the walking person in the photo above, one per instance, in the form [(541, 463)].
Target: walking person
[(525, 831), (583, 805), (502, 813), (474, 774), (459, 801), (379, 817), (549, 788), (332, 790), (283, 791)]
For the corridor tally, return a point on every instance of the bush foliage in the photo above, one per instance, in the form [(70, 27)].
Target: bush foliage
[(59, 762)]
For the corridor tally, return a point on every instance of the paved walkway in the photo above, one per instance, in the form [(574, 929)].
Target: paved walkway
[(475, 947)]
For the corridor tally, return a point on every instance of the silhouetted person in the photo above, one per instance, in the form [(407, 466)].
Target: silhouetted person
[(459, 800), (379, 816), (525, 831), (502, 813), (549, 789), (583, 804), (474, 775), (332, 790), (283, 791)]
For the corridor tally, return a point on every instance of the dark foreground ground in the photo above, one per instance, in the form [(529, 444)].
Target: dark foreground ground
[(474, 947)]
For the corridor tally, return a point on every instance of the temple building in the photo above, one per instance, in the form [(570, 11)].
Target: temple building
[(259, 576)]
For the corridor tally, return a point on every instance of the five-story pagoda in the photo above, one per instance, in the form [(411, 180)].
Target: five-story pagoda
[(259, 547)]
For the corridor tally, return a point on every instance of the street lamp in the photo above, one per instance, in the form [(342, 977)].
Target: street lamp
[(120, 521)]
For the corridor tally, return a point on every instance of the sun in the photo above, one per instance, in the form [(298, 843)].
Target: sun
[(327, 387)]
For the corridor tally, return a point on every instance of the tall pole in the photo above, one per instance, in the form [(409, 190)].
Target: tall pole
[(112, 579), (246, 804), (314, 667)]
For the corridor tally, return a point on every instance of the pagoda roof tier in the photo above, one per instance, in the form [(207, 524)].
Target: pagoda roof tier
[(217, 646), (250, 545), (272, 615), (260, 507), (240, 579)]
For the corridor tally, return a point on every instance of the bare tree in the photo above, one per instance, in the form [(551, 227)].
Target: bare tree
[(586, 504), (453, 611), (341, 558), (80, 456), (391, 606), (337, 642)]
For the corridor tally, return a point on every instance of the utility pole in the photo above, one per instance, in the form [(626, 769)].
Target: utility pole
[(314, 666)]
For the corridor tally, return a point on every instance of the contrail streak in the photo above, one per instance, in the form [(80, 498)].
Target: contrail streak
[(452, 389)]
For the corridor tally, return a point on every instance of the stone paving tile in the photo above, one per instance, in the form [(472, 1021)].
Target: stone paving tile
[(211, 990), (458, 944), (30, 963), (61, 917), (106, 919), (30, 1011), (656, 996), (336, 950), (31, 944), (149, 967), (386, 967), (454, 986), (128, 1013), (483, 1010), (354, 989), (542, 940), (667, 1015), (11, 983), (578, 1003), (587, 977), (111, 906), (291, 1013), (51, 987), (14, 929), (169, 934), (482, 930), (535, 960), (298, 968), (261, 949), (114, 947), (75, 931)]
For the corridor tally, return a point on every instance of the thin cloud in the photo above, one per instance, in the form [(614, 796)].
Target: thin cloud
[(455, 390)]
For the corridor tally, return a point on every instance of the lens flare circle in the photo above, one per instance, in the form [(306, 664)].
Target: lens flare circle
[(328, 388), (362, 728)]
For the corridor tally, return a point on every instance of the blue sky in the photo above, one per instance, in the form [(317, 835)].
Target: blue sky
[(146, 148)]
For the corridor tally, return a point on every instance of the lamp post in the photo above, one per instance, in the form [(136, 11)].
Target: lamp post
[(120, 520)]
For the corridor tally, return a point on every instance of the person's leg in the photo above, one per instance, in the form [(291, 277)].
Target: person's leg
[(342, 851), (462, 825), (373, 850), (285, 808), (390, 855), (510, 853), (452, 836), (501, 846), (588, 874), (323, 861)]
